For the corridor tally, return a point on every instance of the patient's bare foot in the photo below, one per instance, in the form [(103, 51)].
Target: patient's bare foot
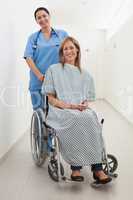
[(75, 176), (101, 177), (75, 173)]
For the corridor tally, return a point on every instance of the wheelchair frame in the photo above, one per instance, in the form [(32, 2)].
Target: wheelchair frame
[(45, 144)]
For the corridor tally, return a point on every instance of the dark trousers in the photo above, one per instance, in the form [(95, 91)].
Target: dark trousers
[(95, 167)]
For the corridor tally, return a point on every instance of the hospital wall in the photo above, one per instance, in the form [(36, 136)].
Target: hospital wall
[(118, 69), (15, 107), (92, 42)]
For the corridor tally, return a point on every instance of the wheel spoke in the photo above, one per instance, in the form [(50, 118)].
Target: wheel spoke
[(111, 162), (39, 155), (105, 169)]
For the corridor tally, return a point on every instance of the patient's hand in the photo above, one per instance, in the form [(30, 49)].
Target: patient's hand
[(84, 105), (81, 106)]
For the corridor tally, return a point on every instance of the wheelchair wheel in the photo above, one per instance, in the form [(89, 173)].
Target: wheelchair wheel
[(112, 162), (39, 154), (53, 170)]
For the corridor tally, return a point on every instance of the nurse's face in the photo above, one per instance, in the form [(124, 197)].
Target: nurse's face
[(43, 19), (70, 52)]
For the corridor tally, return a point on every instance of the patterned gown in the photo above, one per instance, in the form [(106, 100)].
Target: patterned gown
[(79, 132)]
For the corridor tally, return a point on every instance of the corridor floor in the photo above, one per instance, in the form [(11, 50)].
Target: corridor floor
[(20, 179)]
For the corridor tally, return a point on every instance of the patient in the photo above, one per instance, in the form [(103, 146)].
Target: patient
[(70, 91)]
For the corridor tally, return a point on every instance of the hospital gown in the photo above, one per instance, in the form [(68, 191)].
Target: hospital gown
[(79, 132)]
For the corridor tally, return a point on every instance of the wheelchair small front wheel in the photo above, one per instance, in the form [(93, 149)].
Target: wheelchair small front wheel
[(53, 170), (112, 164)]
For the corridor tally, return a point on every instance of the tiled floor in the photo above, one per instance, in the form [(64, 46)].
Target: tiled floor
[(20, 179)]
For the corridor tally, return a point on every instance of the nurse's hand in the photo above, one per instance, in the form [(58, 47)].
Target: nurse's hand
[(41, 77)]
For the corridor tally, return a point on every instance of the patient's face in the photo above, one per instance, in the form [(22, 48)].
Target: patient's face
[(70, 52)]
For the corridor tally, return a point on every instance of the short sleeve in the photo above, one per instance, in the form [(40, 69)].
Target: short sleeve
[(65, 34), (48, 84), (62, 34), (29, 50), (91, 89)]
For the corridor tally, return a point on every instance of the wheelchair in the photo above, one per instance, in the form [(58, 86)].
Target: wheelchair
[(45, 145)]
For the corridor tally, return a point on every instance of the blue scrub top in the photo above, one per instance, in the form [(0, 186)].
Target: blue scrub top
[(44, 53)]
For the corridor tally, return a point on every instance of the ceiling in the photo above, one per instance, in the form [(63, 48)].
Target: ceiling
[(98, 14)]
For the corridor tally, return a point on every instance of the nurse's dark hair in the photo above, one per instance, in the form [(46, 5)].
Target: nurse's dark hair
[(76, 44), (41, 8)]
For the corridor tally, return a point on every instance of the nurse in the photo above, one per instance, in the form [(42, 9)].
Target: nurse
[(42, 50)]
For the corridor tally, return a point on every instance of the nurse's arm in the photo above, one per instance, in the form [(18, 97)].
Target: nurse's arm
[(35, 70)]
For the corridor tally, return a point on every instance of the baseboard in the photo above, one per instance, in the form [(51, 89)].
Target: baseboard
[(5, 155), (116, 110)]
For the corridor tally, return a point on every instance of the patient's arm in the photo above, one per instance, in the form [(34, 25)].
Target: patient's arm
[(89, 104), (57, 103), (61, 104)]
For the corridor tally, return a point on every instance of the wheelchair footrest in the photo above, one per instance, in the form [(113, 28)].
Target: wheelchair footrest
[(113, 175), (68, 180), (96, 184)]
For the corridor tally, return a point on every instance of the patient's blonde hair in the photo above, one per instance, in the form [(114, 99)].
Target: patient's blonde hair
[(76, 44)]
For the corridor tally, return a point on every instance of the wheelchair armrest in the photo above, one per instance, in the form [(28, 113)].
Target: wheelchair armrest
[(45, 101), (102, 120)]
